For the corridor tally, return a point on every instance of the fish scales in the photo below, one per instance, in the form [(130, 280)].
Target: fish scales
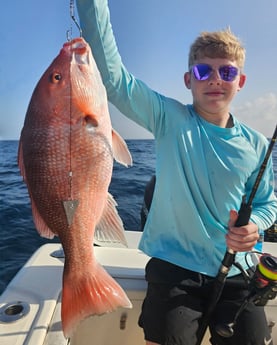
[(66, 153)]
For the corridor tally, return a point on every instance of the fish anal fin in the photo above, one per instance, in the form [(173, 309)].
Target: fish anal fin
[(90, 294), (121, 152), (110, 227)]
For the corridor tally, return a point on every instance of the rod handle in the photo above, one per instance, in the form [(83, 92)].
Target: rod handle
[(244, 213)]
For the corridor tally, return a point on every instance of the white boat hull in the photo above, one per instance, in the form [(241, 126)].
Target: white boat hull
[(37, 286)]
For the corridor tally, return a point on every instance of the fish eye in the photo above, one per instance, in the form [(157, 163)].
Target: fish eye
[(55, 77)]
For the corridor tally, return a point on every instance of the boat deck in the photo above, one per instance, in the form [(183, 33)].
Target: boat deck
[(30, 306)]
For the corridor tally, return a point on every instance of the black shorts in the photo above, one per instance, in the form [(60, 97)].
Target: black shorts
[(175, 301)]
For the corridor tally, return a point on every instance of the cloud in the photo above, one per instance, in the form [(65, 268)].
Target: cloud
[(261, 113)]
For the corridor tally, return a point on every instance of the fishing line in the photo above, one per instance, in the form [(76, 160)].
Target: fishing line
[(70, 173), (72, 16), (69, 38), (70, 205)]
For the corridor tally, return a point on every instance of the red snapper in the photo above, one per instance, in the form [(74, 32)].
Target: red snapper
[(66, 153)]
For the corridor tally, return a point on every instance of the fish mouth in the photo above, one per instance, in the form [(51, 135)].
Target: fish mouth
[(79, 49)]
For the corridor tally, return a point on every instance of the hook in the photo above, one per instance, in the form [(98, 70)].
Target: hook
[(69, 32)]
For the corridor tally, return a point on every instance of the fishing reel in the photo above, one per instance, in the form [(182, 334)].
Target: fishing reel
[(262, 288)]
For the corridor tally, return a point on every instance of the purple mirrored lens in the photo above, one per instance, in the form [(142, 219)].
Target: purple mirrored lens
[(204, 71), (228, 73)]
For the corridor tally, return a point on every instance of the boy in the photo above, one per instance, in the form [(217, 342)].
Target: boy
[(206, 161)]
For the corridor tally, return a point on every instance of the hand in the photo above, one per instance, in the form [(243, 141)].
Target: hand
[(243, 238)]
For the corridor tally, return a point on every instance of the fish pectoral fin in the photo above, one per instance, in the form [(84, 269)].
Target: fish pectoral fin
[(40, 224), (121, 152), (20, 160), (110, 227)]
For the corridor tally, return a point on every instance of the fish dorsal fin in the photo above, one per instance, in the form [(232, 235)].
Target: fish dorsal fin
[(110, 228), (120, 150), (70, 207)]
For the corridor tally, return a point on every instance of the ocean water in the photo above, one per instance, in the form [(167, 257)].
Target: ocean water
[(18, 237)]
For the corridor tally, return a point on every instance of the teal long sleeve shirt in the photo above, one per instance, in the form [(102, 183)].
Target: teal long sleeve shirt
[(202, 170)]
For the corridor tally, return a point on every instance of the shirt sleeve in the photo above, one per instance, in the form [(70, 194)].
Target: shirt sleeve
[(130, 95), (264, 206)]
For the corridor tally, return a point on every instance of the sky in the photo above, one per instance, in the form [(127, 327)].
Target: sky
[(153, 37)]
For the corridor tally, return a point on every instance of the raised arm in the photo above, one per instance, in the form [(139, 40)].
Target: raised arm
[(130, 95)]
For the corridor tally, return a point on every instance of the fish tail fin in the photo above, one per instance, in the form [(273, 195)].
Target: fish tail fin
[(90, 295)]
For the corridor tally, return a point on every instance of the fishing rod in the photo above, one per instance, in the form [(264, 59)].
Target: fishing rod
[(229, 257)]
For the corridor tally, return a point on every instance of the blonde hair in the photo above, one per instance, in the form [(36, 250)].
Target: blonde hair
[(220, 44)]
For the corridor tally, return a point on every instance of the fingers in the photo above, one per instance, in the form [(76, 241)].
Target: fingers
[(241, 239), (233, 218), (241, 242)]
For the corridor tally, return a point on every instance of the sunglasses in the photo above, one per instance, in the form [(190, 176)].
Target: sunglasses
[(203, 72)]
